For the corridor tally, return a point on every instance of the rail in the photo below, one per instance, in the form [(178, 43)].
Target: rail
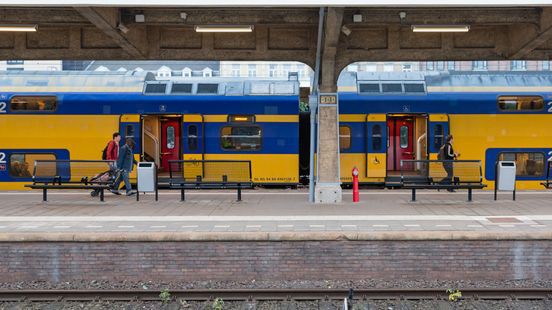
[(505, 293)]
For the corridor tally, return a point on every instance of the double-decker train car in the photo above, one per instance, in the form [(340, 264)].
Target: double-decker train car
[(385, 118), (68, 115)]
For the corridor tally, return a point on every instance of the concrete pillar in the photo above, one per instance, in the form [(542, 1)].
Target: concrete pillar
[(328, 187)]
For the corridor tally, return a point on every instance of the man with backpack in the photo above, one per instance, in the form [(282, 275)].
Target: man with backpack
[(126, 164), (447, 155)]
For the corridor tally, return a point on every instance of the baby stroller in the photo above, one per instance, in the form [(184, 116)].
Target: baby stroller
[(106, 177)]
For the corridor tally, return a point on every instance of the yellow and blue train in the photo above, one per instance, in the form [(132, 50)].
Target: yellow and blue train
[(64, 115)]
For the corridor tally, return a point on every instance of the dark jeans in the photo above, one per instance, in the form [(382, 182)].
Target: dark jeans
[(123, 176), (448, 168)]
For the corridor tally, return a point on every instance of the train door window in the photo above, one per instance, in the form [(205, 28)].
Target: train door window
[(21, 165), (376, 137), (404, 137), (129, 131), (520, 103), (241, 138), (344, 137), (438, 136), (33, 103), (192, 137), (170, 137), (528, 164)]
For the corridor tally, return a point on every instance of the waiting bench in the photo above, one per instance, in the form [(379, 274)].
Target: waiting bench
[(209, 174), (431, 174), (72, 174), (548, 183)]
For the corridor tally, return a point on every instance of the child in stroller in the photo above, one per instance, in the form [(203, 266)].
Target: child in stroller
[(106, 177)]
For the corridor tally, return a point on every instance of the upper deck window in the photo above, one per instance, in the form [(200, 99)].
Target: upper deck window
[(33, 103), (414, 87), (520, 103), (157, 88), (391, 88), (207, 88), (179, 88), (369, 87)]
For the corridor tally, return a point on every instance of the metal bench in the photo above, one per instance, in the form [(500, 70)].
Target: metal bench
[(72, 174), (209, 174), (548, 183), (431, 174)]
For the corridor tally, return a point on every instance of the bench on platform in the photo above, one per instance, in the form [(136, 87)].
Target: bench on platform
[(431, 174), (95, 175), (210, 174), (548, 182)]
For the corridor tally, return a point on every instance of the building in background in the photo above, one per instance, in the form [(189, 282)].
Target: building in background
[(450, 66), (31, 65)]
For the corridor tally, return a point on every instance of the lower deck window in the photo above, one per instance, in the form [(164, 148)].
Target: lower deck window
[(528, 164), (344, 137), (22, 164), (241, 138)]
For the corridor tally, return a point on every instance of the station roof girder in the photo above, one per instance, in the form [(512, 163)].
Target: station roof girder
[(279, 34)]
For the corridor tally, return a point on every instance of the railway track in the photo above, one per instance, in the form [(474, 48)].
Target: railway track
[(253, 295)]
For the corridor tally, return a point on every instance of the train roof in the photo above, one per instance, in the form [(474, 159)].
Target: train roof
[(139, 82), (377, 82)]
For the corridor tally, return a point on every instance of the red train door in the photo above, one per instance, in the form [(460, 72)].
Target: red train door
[(401, 141), (170, 141)]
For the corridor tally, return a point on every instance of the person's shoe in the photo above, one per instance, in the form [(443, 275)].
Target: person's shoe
[(131, 193), (451, 190), (115, 192)]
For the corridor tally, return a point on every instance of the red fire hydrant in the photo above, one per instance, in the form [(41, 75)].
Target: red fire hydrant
[(356, 197)]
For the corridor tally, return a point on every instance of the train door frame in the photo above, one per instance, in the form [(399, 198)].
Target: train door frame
[(157, 136), (416, 133), (199, 152)]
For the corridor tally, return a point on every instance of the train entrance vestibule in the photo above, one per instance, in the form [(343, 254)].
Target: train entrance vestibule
[(406, 139)]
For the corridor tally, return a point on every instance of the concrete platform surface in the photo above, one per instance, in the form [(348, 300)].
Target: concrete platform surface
[(274, 215)]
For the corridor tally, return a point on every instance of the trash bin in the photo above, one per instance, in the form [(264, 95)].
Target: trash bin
[(147, 179), (506, 177)]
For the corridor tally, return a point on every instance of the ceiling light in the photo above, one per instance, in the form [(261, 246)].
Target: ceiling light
[(237, 28), (357, 18), (440, 28), (19, 28), (140, 18)]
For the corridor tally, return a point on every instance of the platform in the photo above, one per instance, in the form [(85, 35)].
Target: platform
[(275, 214)]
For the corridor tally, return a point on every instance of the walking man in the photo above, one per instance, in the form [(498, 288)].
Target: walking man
[(125, 163), (448, 156)]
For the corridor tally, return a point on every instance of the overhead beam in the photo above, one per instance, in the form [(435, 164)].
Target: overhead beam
[(525, 39), (332, 32), (106, 20)]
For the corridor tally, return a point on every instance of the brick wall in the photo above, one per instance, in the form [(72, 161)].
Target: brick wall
[(190, 261)]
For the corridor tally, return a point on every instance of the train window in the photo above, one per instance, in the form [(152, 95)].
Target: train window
[(528, 164), (192, 137), (129, 131), (207, 88), (414, 87), (241, 138), (520, 103), (22, 164), (391, 88), (170, 137), (157, 88), (376, 137), (33, 103), (404, 137), (344, 137), (438, 136), (369, 88), (179, 88)]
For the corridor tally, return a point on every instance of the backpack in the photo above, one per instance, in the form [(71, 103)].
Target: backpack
[(441, 154), (104, 152)]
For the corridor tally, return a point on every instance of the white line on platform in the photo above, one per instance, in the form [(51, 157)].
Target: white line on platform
[(222, 226), (27, 227), (2, 227), (506, 225), (443, 225), (475, 226), (158, 226), (538, 226), (263, 218), (380, 225), (62, 227), (348, 226), (94, 226), (125, 226), (317, 226), (411, 225), (189, 226), (285, 226), (253, 226)]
